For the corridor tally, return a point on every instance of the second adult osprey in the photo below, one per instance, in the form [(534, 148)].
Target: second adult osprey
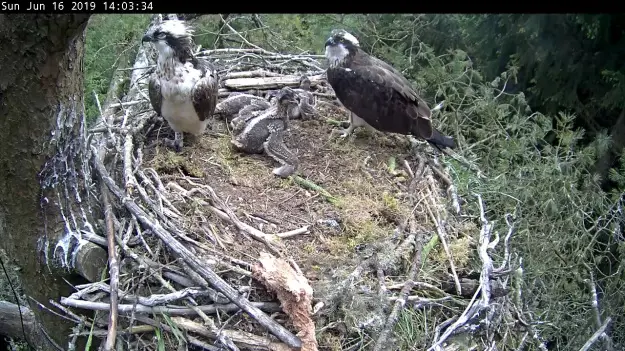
[(184, 88), (375, 93)]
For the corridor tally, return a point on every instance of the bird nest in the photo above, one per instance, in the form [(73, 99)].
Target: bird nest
[(208, 248)]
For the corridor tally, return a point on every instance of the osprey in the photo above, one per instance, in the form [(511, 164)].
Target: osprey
[(183, 89), (233, 104), (375, 93), (306, 107)]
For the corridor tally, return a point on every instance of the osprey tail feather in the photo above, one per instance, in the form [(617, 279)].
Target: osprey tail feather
[(440, 140)]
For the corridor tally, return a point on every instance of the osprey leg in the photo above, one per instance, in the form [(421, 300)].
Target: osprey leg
[(175, 144), (354, 122), (276, 149)]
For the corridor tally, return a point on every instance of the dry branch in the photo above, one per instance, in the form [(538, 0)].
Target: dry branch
[(267, 82), (476, 306), (596, 335), (270, 307), (90, 258), (243, 339), (440, 230), (113, 270)]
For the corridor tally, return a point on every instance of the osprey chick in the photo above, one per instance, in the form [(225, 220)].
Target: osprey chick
[(265, 132), (306, 107), (233, 104), (183, 89), (376, 94)]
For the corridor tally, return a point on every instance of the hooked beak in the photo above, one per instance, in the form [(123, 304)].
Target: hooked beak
[(146, 38), (330, 41)]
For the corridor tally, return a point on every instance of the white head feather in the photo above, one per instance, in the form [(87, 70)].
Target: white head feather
[(352, 39), (176, 28), (337, 53)]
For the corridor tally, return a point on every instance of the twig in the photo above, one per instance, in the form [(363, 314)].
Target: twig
[(128, 174), (240, 36), (129, 103), (113, 269), (295, 232), (596, 335), (441, 235), (170, 310), (475, 306), (307, 184)]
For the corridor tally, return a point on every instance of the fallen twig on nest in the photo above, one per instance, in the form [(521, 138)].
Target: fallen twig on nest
[(441, 235), (307, 184), (476, 306)]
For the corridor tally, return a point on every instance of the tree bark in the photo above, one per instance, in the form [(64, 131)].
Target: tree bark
[(42, 139)]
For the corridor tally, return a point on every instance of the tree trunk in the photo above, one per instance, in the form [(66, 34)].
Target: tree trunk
[(42, 141)]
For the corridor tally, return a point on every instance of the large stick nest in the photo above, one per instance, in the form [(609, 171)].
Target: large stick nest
[(199, 236)]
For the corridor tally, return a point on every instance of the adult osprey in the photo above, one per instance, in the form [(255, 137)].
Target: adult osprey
[(375, 93), (183, 89)]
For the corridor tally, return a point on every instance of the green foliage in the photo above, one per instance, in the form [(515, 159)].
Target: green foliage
[(552, 193), (567, 62), (112, 42)]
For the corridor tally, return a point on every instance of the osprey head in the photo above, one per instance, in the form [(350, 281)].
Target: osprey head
[(304, 83), (339, 45), (170, 37), (286, 96), (342, 37)]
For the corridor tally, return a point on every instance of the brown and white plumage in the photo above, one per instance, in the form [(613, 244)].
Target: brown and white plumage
[(183, 89), (231, 106), (306, 107), (376, 93), (265, 132)]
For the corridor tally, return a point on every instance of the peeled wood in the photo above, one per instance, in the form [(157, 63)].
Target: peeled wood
[(267, 82), (91, 259)]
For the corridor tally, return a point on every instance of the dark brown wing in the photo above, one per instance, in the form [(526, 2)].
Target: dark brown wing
[(205, 91), (374, 68), (380, 95), (154, 92)]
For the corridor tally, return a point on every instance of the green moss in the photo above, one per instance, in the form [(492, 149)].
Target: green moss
[(170, 162)]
